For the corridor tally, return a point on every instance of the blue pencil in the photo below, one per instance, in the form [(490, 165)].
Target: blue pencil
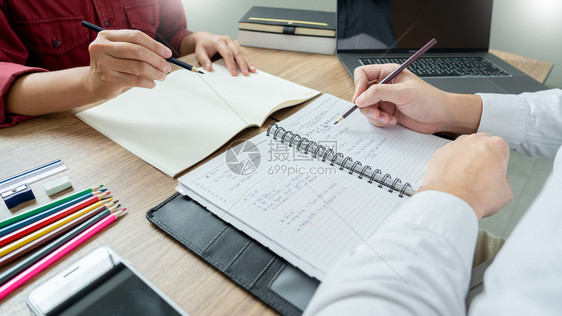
[(26, 221), (43, 252)]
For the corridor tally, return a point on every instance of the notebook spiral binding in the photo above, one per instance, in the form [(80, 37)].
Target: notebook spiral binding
[(334, 158)]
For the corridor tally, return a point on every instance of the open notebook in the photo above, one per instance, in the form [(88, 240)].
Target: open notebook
[(188, 116), (314, 190)]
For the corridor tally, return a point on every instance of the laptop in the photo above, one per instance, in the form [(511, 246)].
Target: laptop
[(383, 31)]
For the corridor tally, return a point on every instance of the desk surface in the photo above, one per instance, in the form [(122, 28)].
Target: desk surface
[(536, 69), (93, 159)]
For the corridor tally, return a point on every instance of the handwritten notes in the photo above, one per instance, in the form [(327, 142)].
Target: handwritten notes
[(306, 210)]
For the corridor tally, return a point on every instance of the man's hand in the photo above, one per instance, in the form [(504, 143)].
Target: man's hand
[(411, 102), (472, 168)]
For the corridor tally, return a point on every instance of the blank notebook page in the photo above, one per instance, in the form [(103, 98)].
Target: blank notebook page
[(188, 116)]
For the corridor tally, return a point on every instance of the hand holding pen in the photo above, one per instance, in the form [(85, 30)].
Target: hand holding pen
[(366, 79), (413, 103), (125, 58)]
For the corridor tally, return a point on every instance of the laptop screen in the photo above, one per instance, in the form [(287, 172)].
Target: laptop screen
[(405, 25)]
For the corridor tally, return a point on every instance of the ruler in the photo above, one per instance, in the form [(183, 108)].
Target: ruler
[(32, 175)]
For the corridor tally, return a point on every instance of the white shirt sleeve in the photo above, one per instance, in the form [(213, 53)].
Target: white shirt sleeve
[(530, 122), (419, 263), (526, 275)]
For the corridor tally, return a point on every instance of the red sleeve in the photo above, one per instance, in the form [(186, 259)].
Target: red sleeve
[(13, 55), (173, 26)]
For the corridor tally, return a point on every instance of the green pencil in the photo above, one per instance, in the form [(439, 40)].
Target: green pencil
[(42, 208), (23, 264)]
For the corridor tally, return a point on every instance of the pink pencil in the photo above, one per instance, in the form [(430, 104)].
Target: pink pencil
[(30, 272)]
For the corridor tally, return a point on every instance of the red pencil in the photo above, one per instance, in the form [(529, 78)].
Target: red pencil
[(23, 250), (30, 272), (4, 240)]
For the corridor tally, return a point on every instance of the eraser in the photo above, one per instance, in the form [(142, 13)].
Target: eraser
[(57, 185), (18, 195)]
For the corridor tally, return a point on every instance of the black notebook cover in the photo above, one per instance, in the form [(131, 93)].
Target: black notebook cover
[(254, 267)]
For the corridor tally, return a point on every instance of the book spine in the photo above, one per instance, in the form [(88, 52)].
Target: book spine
[(328, 155), (299, 43)]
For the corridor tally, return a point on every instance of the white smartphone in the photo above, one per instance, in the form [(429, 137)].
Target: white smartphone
[(102, 283)]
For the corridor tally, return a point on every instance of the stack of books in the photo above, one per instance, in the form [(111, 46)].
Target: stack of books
[(289, 29)]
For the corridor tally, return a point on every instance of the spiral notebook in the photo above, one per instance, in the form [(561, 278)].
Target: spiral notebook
[(310, 190)]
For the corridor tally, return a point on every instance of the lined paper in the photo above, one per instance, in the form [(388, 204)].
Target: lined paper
[(305, 210)]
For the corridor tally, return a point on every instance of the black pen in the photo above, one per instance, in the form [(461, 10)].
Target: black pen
[(172, 60)]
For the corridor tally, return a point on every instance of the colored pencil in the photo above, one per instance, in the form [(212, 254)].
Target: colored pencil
[(40, 265), (52, 217), (172, 60), (47, 206), (45, 230), (395, 73), (43, 240), (33, 218), (52, 246)]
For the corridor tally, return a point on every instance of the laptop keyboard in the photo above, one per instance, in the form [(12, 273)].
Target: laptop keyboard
[(445, 66)]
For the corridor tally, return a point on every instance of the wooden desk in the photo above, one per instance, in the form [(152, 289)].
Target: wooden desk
[(536, 69), (93, 159)]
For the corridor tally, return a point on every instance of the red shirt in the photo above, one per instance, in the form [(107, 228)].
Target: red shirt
[(46, 35)]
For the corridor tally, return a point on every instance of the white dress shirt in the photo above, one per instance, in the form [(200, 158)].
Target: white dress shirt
[(419, 263)]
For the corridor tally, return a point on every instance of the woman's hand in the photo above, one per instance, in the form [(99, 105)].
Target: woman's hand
[(125, 58), (206, 45)]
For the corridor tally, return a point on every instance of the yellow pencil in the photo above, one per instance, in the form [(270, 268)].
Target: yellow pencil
[(45, 230)]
